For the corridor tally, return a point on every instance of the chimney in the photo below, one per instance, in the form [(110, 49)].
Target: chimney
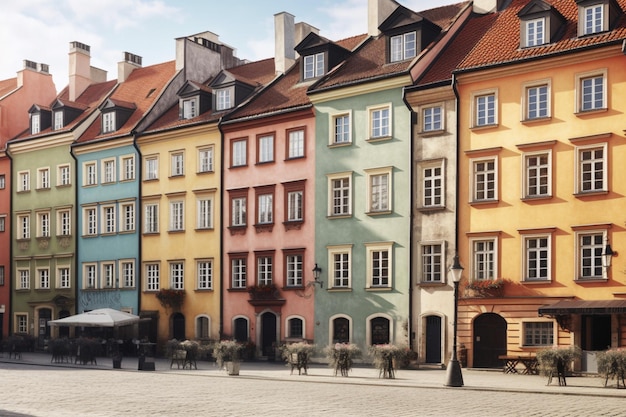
[(377, 12), (303, 29), (284, 42), (79, 69), (125, 67), (489, 6)]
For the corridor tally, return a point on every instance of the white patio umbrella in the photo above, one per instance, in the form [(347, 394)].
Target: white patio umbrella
[(102, 317)]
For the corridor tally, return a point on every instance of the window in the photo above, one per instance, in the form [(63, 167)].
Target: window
[(43, 279), (205, 159), (43, 179), (108, 219), (127, 269), (90, 221), (205, 213), (35, 123), (431, 255), (295, 206), (484, 180), (238, 210), (591, 165), (238, 272), (23, 181), (313, 66), (593, 19), (341, 329), (177, 215), (128, 168), (265, 208), (151, 224), (295, 144), (43, 224), (23, 226), (537, 175), (63, 275), (403, 46), (90, 175), (2, 275), (239, 152), (128, 217), (205, 274), (58, 120), (178, 165), (63, 175), (295, 328), (108, 122), (540, 333), (21, 323), (223, 99), (591, 92), (265, 149), (108, 275), (340, 267), (23, 279), (341, 129), (380, 122), (294, 269), (152, 277), (2, 182), (536, 258), (590, 248), (152, 168), (264, 270), (379, 190), (177, 276), (432, 120), (203, 325), (433, 185), (484, 259), (108, 171), (190, 108), (64, 223), (484, 108), (90, 277), (340, 194), (3, 220), (379, 265), (535, 32), (537, 102)]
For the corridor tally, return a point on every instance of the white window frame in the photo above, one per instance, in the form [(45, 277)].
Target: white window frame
[(90, 221), (239, 148), (294, 269), (189, 107), (265, 144), (3, 222), (340, 276), (23, 226), (2, 182), (90, 173), (64, 175), (295, 205), (151, 167), (403, 46), (204, 212), (108, 171), (380, 121), (223, 99), (58, 119), (43, 279), (238, 213), (204, 274), (313, 66), (238, 272), (476, 178), (478, 118), (35, 123), (43, 224), (177, 163), (376, 267), (23, 181), (64, 222), (581, 94), (177, 275), (433, 118), (530, 172), (378, 194), (64, 277), (295, 143), (580, 172), (346, 193), (177, 215), (340, 133), (127, 167), (153, 276), (598, 247), (21, 323), (528, 101), (109, 219), (90, 276), (107, 271), (479, 268), (43, 178), (265, 208), (592, 19), (151, 218), (127, 273), (128, 217), (533, 257), (206, 158), (535, 32), (264, 269), (108, 122), (22, 277), (432, 184), (432, 258)]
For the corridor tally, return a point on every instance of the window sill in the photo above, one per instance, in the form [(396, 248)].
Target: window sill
[(293, 288), (536, 120), (483, 202), (293, 225), (244, 290), (238, 166), (590, 193), (294, 158), (594, 280), (260, 163), (336, 289), (431, 284), (536, 281), (339, 145), (205, 172), (150, 180), (530, 198), (173, 232), (377, 289), (431, 209), (203, 229), (237, 230), (430, 133), (262, 228), (43, 189), (582, 113), (378, 213), (176, 176), (151, 233), (339, 216), (63, 185), (205, 290), (482, 127), (379, 139)]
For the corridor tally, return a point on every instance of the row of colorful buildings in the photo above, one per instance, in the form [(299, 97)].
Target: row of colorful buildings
[(322, 194)]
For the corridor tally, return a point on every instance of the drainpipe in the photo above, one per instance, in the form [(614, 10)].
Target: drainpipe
[(221, 251), (456, 163), (10, 266), (139, 217), (76, 245)]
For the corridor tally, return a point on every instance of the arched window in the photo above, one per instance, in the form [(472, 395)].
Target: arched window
[(341, 330), (295, 328), (379, 326), (202, 327)]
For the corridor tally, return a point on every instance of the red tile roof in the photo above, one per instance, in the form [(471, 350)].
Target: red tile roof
[(6, 86), (501, 43)]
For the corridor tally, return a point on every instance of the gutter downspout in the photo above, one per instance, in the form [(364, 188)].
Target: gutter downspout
[(76, 245), (456, 164), (10, 268), (139, 217), (221, 251)]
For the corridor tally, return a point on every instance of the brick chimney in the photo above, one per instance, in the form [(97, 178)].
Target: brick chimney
[(79, 69), (125, 67), (377, 12)]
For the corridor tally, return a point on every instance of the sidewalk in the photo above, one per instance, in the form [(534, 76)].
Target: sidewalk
[(474, 379)]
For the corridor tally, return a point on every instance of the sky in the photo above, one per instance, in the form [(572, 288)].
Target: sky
[(41, 30)]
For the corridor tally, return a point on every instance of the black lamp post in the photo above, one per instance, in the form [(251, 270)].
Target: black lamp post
[(454, 377), (316, 275), (607, 255)]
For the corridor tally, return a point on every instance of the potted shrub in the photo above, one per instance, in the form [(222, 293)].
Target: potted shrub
[(556, 361), (612, 364), (340, 357), (297, 355), (227, 354), (386, 358)]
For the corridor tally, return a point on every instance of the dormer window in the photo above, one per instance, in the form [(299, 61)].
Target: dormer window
[(535, 32), (403, 46), (540, 24), (108, 122), (223, 99), (597, 16), (35, 123), (313, 66), (593, 19), (58, 120), (190, 108)]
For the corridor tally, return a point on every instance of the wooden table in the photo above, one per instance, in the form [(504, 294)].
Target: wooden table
[(511, 362)]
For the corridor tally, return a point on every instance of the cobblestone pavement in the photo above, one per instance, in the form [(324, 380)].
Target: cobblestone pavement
[(32, 387)]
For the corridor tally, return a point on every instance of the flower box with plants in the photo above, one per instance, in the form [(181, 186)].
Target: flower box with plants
[(386, 358), (486, 287), (227, 354), (171, 298), (341, 356), (263, 292), (557, 361), (298, 355)]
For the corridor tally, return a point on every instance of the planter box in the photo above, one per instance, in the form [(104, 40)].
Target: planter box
[(232, 368)]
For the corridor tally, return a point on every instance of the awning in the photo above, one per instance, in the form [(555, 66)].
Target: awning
[(591, 307)]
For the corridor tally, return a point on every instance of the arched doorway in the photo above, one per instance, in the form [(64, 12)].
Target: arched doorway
[(489, 340), (268, 334), (178, 326), (241, 330), (433, 339)]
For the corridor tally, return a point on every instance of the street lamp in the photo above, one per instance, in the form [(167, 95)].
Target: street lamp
[(607, 255), (316, 275), (454, 378)]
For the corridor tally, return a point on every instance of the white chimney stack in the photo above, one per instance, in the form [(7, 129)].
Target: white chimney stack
[(284, 42), (79, 69)]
